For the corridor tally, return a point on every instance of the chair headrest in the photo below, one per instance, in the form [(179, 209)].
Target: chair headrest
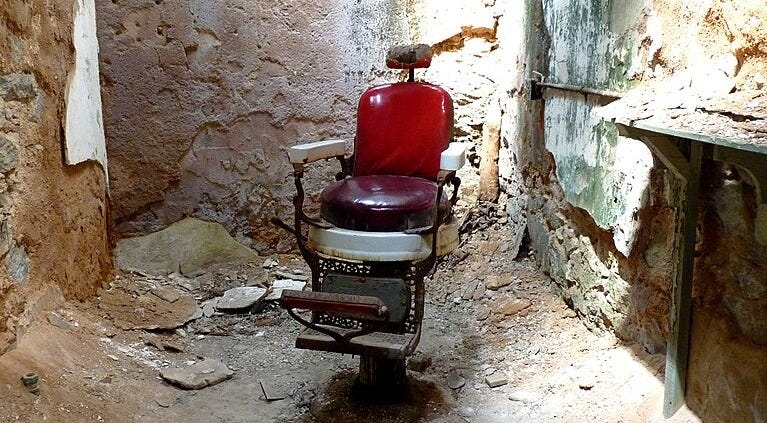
[(411, 56)]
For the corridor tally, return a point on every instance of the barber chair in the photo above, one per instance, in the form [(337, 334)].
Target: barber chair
[(382, 224)]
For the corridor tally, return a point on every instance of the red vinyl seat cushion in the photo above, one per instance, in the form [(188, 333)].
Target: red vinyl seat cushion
[(381, 203)]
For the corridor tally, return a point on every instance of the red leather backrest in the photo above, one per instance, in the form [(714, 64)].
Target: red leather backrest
[(401, 130)]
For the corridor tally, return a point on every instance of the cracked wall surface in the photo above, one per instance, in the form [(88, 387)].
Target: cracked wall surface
[(201, 100), (589, 188), (53, 240)]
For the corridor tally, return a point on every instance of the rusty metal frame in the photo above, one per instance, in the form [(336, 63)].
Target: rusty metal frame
[(412, 272)]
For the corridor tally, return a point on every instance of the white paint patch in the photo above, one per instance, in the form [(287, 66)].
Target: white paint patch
[(84, 128), (633, 163), (608, 179)]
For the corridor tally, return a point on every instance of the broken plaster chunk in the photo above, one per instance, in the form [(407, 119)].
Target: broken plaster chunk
[(496, 379), (199, 375), (496, 282), (419, 363), (241, 297), (280, 285), (511, 307), (57, 321), (271, 392), (167, 293), (209, 307), (290, 275), (455, 379)]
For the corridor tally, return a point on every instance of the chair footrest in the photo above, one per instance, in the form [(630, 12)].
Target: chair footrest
[(377, 344), (354, 306)]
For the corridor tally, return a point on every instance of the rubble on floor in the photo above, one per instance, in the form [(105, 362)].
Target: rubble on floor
[(198, 375)]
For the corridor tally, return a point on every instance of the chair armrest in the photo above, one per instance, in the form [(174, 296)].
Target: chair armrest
[(454, 157), (313, 151)]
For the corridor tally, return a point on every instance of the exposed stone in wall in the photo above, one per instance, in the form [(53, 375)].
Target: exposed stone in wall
[(595, 44), (481, 62), (727, 374), (52, 218), (202, 98), (628, 291), (731, 261)]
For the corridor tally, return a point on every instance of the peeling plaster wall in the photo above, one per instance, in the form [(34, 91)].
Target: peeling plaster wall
[(84, 128), (53, 240), (201, 99), (201, 102), (603, 173), (601, 216)]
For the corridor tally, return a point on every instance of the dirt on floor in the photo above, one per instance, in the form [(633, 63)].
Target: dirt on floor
[(487, 315)]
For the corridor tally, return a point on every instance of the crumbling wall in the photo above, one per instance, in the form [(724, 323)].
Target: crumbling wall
[(202, 98), (201, 101), (52, 217), (601, 216)]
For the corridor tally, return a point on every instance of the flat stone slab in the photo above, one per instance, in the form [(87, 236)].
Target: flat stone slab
[(57, 321), (241, 297), (455, 379), (199, 375), (187, 246), (496, 282), (289, 275), (496, 379), (282, 284), (147, 311)]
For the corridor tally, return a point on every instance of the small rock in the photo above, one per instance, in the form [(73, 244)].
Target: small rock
[(280, 285), (162, 402), (419, 363), (271, 392), (455, 379), (759, 81), (57, 321), (199, 375), (291, 275), (586, 382), (167, 293), (483, 313), (523, 396), (269, 263), (496, 282), (172, 347), (241, 297), (496, 379), (479, 293), (196, 315), (209, 307), (467, 411), (468, 292)]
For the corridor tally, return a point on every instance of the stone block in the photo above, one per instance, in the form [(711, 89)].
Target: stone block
[(18, 87), (9, 153)]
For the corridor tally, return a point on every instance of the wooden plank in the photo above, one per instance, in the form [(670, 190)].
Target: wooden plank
[(681, 308)]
